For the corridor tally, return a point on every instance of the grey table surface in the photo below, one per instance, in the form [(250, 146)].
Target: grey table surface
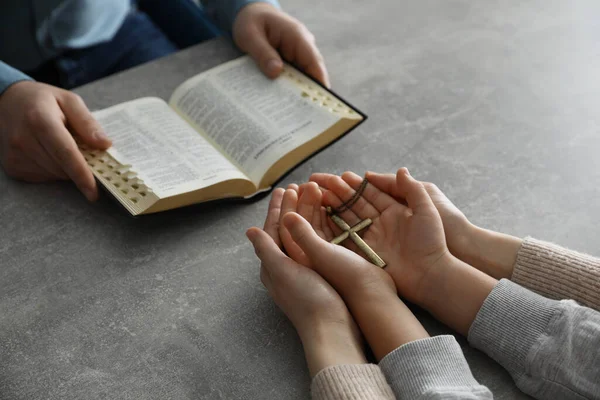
[(496, 101)]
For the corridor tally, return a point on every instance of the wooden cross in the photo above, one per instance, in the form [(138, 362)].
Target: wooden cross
[(351, 232)]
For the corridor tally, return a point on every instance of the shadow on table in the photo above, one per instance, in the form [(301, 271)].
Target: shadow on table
[(199, 215)]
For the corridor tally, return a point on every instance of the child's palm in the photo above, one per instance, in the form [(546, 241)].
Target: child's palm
[(410, 240)]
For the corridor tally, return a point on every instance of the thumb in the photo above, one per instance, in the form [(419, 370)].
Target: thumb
[(82, 122), (258, 47), (413, 191), (323, 256), (266, 249), (384, 182), (342, 268)]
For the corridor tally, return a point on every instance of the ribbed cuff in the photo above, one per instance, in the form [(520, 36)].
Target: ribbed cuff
[(351, 382), (432, 365), (509, 323), (10, 76), (558, 273)]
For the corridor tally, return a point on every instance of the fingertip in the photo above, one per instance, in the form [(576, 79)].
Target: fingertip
[(91, 193), (292, 193), (313, 186), (273, 68), (301, 231), (402, 175), (371, 176), (326, 80), (317, 177), (100, 139), (275, 202), (295, 223), (251, 234), (278, 192), (319, 72), (351, 177), (311, 191), (104, 144), (289, 220)]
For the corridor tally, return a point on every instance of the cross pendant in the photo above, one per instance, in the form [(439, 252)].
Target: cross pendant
[(351, 232)]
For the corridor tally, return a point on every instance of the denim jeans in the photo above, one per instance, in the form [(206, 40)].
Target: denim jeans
[(153, 29)]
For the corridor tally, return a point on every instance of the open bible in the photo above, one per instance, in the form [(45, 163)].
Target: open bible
[(227, 132)]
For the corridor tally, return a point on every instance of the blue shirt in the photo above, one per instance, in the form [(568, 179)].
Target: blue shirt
[(35, 31)]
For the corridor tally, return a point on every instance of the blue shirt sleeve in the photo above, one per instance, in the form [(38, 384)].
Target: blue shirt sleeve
[(223, 12), (9, 75)]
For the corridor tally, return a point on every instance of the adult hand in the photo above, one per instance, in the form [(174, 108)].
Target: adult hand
[(36, 144), (328, 332), (368, 291), (409, 238), (265, 32)]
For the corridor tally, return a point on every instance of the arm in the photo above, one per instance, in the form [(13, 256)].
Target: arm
[(9, 76), (329, 335), (545, 268), (551, 348), (409, 358)]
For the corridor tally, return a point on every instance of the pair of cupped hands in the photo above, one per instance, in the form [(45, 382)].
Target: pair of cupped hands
[(332, 294)]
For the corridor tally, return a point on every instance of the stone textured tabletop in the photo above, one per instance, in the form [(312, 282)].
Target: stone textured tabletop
[(496, 101)]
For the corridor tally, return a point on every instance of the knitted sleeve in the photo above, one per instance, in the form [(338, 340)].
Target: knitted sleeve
[(351, 382), (558, 273)]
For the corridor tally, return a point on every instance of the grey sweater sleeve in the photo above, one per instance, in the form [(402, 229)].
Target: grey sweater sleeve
[(433, 368), (551, 348)]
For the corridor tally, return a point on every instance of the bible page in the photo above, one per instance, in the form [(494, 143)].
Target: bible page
[(251, 118), (162, 149)]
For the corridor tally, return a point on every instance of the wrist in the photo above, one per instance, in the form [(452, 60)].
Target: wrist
[(387, 323), (493, 253), (454, 293), (465, 245), (6, 90), (331, 343)]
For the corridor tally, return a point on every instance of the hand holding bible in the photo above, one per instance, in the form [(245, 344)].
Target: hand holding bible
[(36, 121), (265, 32)]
